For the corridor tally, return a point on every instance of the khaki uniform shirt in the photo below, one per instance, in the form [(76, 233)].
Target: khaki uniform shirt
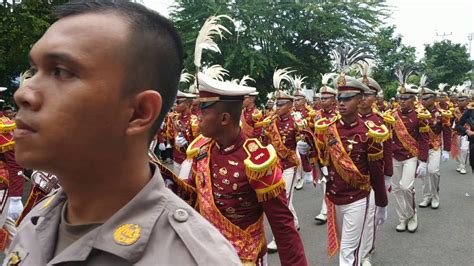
[(154, 228)]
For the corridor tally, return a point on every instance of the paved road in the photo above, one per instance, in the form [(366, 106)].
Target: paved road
[(444, 236)]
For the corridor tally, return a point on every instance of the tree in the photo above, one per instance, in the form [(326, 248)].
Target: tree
[(21, 26), (390, 53), (446, 62), (271, 34)]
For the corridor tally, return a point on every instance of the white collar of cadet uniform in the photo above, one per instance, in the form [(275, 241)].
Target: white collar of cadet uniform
[(122, 235)]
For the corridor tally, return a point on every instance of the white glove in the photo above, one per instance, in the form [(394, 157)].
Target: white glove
[(162, 147), (445, 156), (324, 170), (421, 170), (381, 215), (16, 207), (388, 183), (181, 141), (168, 145), (302, 147)]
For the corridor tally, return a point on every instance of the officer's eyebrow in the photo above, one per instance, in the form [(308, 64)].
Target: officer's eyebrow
[(59, 57)]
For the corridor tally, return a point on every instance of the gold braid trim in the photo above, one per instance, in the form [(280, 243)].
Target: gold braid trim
[(375, 156), (270, 192), (424, 129)]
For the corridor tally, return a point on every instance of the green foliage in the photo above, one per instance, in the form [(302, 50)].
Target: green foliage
[(446, 62), (20, 26), (271, 34), (390, 53)]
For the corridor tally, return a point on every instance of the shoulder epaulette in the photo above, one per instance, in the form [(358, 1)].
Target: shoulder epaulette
[(256, 115), (6, 124), (447, 113), (323, 124), (423, 114), (379, 133), (388, 118), (260, 159), (195, 147)]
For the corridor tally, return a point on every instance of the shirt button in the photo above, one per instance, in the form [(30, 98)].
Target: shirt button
[(181, 215)]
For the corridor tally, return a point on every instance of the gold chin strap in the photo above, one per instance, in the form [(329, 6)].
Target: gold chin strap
[(209, 99)]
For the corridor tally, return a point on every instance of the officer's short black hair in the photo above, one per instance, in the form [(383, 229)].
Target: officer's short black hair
[(154, 52), (233, 108)]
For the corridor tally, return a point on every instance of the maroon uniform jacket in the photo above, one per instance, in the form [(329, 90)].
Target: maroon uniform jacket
[(387, 145), (439, 124), (415, 127), (179, 124), (16, 181), (249, 117), (360, 147), (237, 199)]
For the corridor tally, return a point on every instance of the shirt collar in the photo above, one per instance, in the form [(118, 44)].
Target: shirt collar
[(146, 208)]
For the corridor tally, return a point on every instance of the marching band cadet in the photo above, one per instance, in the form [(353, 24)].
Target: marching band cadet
[(251, 118), (6, 145), (316, 105), (410, 151), (285, 134), (238, 180), (328, 110), (301, 110), (353, 151), (181, 128), (462, 142), (439, 138), (368, 112)]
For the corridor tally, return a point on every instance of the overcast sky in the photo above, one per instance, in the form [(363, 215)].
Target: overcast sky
[(418, 21)]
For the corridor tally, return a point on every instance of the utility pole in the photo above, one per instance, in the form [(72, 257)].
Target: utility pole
[(469, 37), (443, 35)]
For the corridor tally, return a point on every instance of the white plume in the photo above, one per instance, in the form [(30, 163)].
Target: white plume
[(423, 81), (281, 74), (185, 77), (216, 72), (245, 79), (205, 39), (441, 86), (327, 77), (297, 81)]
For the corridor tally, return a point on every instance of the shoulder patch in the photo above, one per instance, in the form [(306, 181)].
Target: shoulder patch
[(323, 124), (379, 133), (260, 159), (195, 147), (447, 113)]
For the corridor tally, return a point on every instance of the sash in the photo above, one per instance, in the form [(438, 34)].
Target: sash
[(343, 163), (408, 142), (333, 239), (247, 129), (282, 150), (435, 140), (249, 242)]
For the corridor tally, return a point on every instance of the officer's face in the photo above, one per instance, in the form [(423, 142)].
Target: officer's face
[(72, 108), (328, 102), (367, 101), (428, 100), (348, 105), (284, 108), (209, 120), (300, 103), (182, 105)]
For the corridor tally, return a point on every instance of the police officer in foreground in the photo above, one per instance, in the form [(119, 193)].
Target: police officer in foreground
[(105, 75)]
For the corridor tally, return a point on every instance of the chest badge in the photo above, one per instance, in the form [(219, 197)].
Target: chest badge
[(14, 259), (223, 171), (234, 163), (127, 234)]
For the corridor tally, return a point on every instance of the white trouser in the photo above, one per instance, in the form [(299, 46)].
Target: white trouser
[(431, 180), (299, 168), (322, 185), (463, 151), (370, 227), (403, 181), (289, 177), (176, 167), (350, 221)]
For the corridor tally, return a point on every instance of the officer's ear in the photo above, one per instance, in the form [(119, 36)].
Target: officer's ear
[(226, 119), (144, 109)]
